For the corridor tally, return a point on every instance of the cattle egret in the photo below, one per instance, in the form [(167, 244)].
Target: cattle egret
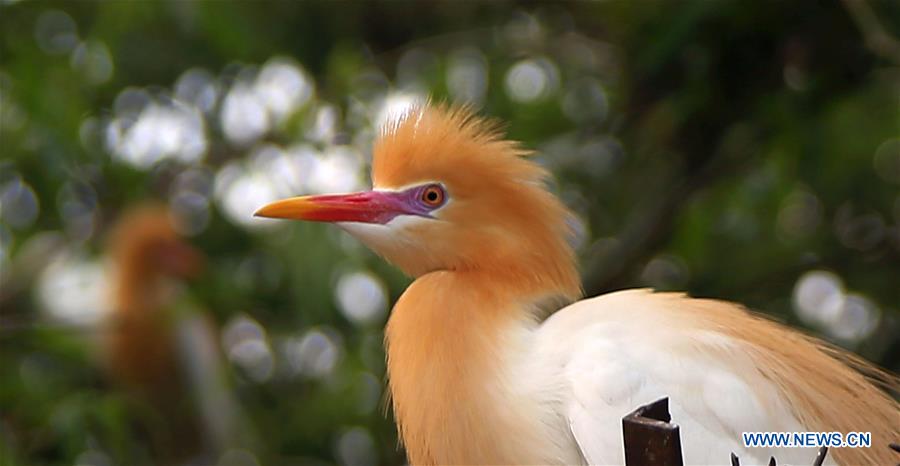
[(476, 376), (159, 348)]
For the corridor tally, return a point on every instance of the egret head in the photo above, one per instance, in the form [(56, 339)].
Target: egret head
[(145, 242), (450, 193)]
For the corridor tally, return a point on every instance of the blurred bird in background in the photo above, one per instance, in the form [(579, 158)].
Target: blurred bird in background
[(477, 376), (160, 348)]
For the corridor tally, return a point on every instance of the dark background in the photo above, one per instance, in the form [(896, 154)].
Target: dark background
[(742, 150)]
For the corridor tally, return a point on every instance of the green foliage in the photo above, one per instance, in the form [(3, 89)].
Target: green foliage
[(725, 148)]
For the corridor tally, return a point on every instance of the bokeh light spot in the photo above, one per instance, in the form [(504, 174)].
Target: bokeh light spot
[(19, 205), (238, 457), (339, 170), (56, 32), (77, 205), (800, 215), (93, 458), (75, 291), (197, 87), (189, 200), (324, 125), (361, 297), (887, 160), (93, 60), (282, 86), (818, 297), (665, 271), (240, 192), (414, 68), (585, 101), (395, 106), (314, 354), (244, 117), (356, 447), (532, 79), (161, 130), (860, 232), (369, 392), (247, 346), (857, 319), (467, 75)]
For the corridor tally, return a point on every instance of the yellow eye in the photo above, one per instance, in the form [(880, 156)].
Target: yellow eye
[(433, 195)]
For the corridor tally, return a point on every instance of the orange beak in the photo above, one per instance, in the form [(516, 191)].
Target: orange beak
[(363, 207)]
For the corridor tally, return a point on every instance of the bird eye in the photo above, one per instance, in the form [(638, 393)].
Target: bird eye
[(433, 195)]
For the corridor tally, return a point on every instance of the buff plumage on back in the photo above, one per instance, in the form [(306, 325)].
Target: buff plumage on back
[(496, 190), (828, 389)]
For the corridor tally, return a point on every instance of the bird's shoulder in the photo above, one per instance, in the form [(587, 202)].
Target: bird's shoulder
[(622, 350)]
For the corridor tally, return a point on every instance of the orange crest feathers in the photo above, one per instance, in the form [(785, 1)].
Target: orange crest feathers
[(433, 142), (500, 215)]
